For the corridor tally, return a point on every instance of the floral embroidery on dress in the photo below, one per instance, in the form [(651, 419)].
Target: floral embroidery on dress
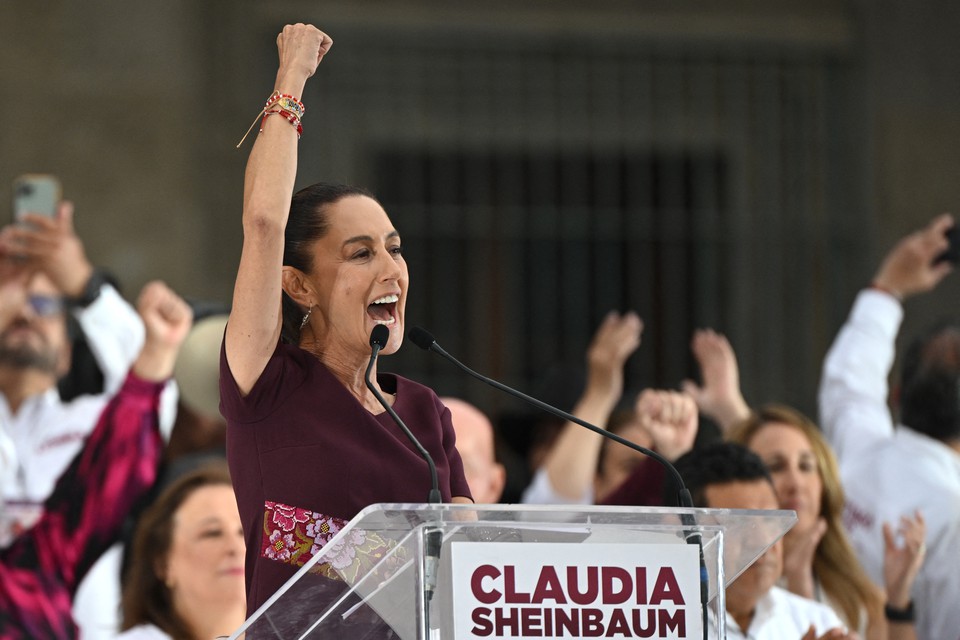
[(288, 517), (293, 536), (281, 547)]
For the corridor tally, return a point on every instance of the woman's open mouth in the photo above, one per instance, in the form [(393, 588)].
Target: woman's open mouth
[(383, 310)]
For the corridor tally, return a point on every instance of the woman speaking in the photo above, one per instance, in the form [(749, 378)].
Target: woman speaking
[(309, 445)]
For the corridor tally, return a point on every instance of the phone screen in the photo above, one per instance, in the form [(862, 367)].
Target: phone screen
[(35, 193)]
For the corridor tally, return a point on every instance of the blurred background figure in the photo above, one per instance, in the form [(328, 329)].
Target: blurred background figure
[(668, 423), (114, 471), (53, 300), (819, 561), (725, 475), (186, 578), (568, 471), (475, 442), (891, 468), (45, 276), (525, 435), (616, 462), (199, 431)]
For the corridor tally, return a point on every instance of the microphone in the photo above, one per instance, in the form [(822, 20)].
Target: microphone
[(425, 341), (433, 535), (378, 340)]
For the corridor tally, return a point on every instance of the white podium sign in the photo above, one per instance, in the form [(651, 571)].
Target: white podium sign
[(516, 591)]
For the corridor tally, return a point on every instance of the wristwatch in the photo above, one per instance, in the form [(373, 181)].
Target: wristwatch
[(91, 290), (899, 615)]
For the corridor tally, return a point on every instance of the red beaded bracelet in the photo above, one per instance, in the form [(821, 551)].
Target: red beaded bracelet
[(287, 102), (276, 94), (290, 117), (289, 106)]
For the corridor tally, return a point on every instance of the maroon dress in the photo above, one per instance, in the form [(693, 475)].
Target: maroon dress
[(305, 457)]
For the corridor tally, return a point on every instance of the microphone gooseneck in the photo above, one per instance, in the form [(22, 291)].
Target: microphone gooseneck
[(432, 535), (378, 340), (423, 339)]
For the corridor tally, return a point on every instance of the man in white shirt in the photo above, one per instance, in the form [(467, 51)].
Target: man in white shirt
[(45, 275), (728, 476), (890, 471), (53, 277)]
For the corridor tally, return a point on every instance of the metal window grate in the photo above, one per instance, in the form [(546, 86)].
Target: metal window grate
[(537, 187)]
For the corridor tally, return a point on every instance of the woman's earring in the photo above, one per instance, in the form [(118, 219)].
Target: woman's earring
[(306, 318)]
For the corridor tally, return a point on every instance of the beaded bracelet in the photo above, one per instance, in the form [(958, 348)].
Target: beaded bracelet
[(290, 117), (286, 104), (276, 95)]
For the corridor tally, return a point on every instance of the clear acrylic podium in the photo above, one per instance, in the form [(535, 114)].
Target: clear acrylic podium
[(373, 578)]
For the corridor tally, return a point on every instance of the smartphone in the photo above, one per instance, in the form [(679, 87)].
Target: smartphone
[(37, 193), (952, 253)]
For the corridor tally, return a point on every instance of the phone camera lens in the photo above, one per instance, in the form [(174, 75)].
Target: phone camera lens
[(24, 190)]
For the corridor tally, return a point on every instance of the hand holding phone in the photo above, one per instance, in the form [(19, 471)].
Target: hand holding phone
[(35, 193), (43, 236)]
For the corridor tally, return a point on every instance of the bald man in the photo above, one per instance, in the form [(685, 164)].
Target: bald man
[(485, 476)]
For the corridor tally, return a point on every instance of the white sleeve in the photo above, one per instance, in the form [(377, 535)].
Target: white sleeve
[(115, 334), (540, 491), (935, 590), (853, 390), (143, 632), (9, 463)]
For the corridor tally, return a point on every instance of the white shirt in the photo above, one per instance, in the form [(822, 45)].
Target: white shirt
[(8, 471), (143, 632), (888, 472), (781, 615), (46, 432), (541, 491)]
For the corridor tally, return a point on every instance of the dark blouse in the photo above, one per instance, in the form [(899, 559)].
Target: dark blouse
[(305, 457)]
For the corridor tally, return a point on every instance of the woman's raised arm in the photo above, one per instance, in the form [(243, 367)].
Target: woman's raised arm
[(255, 319)]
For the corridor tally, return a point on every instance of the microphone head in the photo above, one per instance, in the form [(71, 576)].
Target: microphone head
[(421, 337), (379, 336)]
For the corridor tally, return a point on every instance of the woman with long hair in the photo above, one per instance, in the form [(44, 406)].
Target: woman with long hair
[(819, 562)]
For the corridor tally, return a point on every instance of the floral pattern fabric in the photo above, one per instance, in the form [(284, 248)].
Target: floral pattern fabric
[(294, 536)]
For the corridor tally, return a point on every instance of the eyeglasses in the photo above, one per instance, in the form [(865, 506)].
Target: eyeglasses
[(46, 306)]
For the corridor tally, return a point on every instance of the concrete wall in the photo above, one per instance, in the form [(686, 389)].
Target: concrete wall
[(912, 60)]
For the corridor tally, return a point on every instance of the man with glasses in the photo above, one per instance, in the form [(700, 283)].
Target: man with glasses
[(44, 277)]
